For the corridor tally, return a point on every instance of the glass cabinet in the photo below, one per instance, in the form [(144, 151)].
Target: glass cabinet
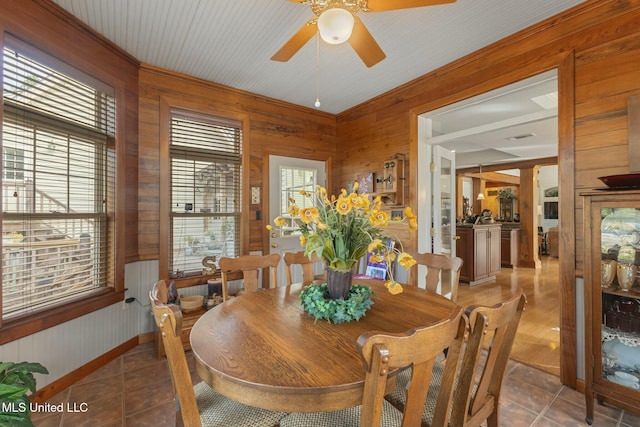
[(612, 298)]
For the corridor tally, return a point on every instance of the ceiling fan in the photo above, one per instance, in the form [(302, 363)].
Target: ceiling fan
[(336, 21)]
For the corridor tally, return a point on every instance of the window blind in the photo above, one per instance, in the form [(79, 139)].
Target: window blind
[(206, 166), (58, 170), (293, 181)]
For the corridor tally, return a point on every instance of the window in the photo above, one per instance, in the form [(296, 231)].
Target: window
[(206, 160), (13, 164), (58, 165), (293, 182)]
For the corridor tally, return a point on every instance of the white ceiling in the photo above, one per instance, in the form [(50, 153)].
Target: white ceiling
[(230, 42)]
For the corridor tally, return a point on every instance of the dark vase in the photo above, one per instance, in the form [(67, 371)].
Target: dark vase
[(339, 283)]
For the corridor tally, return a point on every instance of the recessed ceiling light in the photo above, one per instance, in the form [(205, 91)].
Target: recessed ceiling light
[(547, 101)]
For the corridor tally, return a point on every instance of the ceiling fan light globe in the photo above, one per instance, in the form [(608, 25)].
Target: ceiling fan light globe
[(335, 25)]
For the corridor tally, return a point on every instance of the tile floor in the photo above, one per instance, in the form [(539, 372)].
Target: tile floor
[(135, 390)]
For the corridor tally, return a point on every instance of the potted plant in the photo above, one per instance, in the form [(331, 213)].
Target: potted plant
[(343, 229), (16, 379), (505, 197), (506, 194)]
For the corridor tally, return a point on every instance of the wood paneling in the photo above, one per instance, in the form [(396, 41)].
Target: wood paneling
[(595, 47), (292, 130), (633, 108)]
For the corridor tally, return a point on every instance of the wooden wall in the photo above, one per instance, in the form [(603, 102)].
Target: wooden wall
[(596, 49), (275, 127), (606, 76)]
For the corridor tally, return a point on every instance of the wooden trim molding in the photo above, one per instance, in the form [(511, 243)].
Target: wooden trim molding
[(567, 219), (166, 104), (565, 64), (73, 377), (633, 114), (546, 161)]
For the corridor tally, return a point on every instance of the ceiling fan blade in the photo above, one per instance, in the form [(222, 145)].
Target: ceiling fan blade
[(299, 39), (365, 45), (383, 5)]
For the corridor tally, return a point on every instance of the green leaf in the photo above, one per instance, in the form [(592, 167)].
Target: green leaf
[(5, 366), (12, 392), (317, 303)]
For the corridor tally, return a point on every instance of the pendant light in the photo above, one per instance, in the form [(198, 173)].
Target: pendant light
[(480, 194)]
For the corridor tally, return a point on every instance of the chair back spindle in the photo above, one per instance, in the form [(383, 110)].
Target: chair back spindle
[(439, 267), (249, 265), (306, 264)]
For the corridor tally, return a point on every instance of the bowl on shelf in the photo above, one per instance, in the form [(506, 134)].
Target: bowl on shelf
[(191, 303), (628, 180), (626, 356)]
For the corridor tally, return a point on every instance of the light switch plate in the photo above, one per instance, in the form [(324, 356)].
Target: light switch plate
[(255, 195)]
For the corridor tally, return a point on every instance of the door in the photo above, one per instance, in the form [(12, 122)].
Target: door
[(444, 196), (436, 200), (287, 177)]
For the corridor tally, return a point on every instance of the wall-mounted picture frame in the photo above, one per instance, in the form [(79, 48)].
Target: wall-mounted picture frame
[(365, 182), (396, 215), (551, 192)]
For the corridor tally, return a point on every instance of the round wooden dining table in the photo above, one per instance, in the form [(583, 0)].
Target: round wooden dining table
[(263, 350)]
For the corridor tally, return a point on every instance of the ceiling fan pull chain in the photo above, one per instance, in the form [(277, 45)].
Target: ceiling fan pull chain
[(317, 103)]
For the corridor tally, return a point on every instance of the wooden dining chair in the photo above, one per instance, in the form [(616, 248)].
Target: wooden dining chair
[(477, 391), (438, 267), (384, 353), (250, 266), (492, 331), (306, 264), (200, 404)]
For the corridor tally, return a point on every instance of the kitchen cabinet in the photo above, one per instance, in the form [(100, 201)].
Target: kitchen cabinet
[(510, 241), (479, 246), (612, 293)]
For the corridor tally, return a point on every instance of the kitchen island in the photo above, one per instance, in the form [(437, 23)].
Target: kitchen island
[(479, 246)]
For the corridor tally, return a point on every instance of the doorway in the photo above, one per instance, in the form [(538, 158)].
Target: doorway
[(512, 125), (288, 176)]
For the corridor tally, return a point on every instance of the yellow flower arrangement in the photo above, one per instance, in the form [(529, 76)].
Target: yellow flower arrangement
[(341, 230)]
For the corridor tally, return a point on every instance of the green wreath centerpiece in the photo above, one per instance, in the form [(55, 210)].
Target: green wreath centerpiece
[(318, 304)]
